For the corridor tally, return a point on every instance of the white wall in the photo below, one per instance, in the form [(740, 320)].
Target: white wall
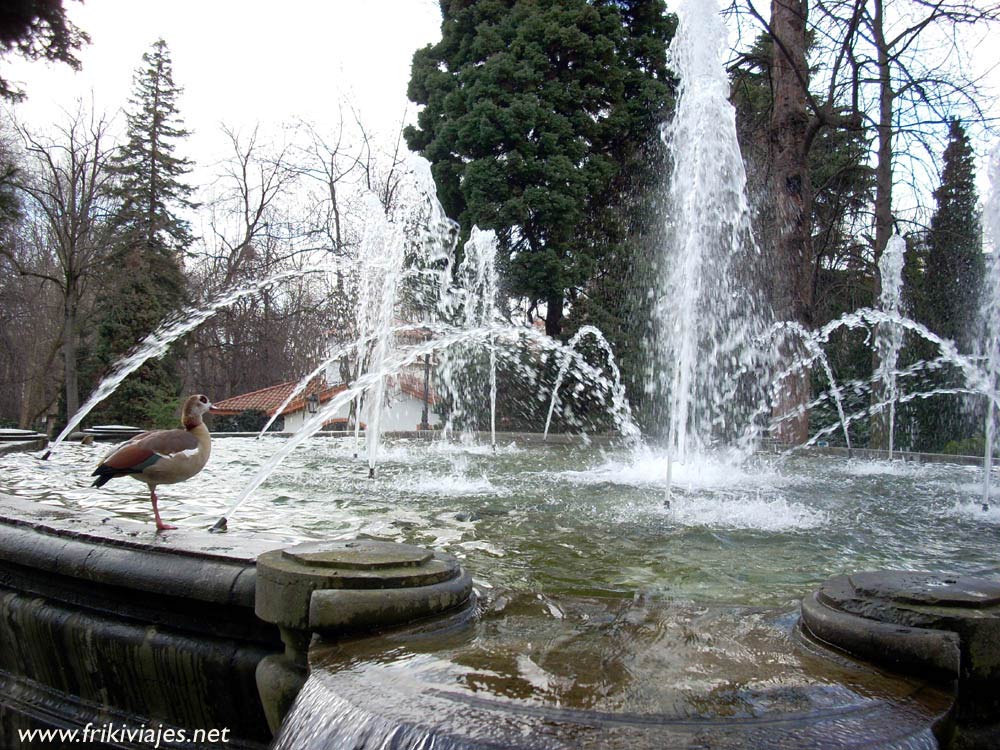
[(403, 414)]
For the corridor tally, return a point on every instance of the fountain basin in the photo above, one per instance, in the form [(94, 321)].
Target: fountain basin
[(580, 569), (922, 623), (565, 519), (540, 672), (103, 621)]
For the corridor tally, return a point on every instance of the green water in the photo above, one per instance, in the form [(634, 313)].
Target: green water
[(581, 521)]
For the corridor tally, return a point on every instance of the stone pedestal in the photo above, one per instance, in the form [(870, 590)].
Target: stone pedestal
[(338, 588), (929, 624)]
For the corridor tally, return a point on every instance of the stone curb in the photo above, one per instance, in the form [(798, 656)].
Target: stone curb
[(928, 653)]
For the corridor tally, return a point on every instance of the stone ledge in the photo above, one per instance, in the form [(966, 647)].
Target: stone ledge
[(344, 609), (121, 553), (927, 653)]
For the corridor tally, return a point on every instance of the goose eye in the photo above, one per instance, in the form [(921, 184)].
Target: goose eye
[(203, 399)]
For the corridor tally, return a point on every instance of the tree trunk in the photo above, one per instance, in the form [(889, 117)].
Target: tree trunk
[(792, 192), (554, 315), (71, 381)]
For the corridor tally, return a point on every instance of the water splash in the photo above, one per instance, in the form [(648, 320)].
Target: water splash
[(990, 314), (708, 312), (397, 361), (808, 339), (157, 342), (471, 303), (890, 336), (403, 255), (620, 409)]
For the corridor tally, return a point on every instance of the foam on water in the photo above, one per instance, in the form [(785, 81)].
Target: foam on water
[(758, 512), (466, 447), (972, 509), (646, 467), (866, 468)]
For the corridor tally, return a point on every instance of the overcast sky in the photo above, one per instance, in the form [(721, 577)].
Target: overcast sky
[(242, 61)]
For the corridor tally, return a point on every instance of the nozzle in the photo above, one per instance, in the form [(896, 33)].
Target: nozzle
[(220, 526)]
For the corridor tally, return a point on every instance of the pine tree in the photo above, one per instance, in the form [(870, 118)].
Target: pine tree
[(946, 299), (152, 186), (146, 280), (538, 121)]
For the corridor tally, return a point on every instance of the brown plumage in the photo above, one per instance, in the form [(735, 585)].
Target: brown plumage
[(164, 456)]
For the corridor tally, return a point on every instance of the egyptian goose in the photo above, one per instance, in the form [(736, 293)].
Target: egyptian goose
[(164, 456)]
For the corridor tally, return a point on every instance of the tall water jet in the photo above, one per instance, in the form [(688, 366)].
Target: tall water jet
[(709, 308), (403, 255), (478, 274), (472, 303), (990, 313), (890, 335), (380, 265)]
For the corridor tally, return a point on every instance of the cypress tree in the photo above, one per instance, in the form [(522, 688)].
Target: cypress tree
[(146, 281), (947, 296)]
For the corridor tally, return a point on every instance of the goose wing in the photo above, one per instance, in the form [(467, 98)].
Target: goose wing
[(142, 452)]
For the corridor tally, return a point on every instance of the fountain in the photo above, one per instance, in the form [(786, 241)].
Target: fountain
[(708, 299), (472, 303), (559, 602), (990, 314), (890, 337)]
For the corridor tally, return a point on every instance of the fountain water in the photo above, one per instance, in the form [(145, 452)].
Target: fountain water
[(570, 546), (707, 312), (890, 336), (619, 408), (471, 303), (400, 244), (990, 314), (810, 341), (157, 343)]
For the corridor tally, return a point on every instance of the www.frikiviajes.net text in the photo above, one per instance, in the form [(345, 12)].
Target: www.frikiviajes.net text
[(154, 737)]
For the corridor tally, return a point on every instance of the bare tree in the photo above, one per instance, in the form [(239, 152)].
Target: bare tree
[(30, 333), (65, 186), (895, 69), (255, 232)]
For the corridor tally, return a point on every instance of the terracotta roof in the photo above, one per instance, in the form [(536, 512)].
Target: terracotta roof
[(413, 385), (269, 399)]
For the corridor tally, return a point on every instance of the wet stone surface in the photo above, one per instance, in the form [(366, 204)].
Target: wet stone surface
[(351, 584), (933, 589), (359, 555), (551, 672)]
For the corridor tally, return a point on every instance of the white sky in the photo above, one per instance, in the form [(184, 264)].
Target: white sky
[(242, 61)]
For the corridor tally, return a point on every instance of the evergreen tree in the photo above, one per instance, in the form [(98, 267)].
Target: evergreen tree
[(539, 122), (152, 186), (955, 265), (146, 280), (37, 29), (948, 279)]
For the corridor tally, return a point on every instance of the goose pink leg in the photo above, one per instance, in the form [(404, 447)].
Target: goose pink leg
[(160, 526)]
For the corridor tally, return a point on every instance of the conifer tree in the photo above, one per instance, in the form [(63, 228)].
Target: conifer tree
[(538, 122), (147, 283), (955, 265), (946, 299)]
